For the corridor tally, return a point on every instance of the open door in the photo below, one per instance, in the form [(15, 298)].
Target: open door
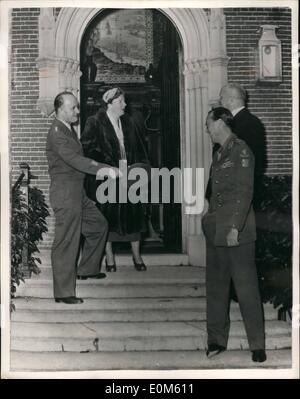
[(152, 95)]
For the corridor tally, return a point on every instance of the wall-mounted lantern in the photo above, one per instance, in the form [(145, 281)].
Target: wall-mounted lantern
[(269, 54)]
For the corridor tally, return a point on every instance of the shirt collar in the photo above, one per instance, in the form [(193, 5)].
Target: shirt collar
[(65, 123), (113, 120), (237, 110), (224, 146)]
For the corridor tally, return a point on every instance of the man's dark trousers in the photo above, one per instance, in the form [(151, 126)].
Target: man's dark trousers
[(236, 263), (75, 214)]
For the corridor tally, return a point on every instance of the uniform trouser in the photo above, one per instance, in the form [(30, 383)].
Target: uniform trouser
[(238, 264), (70, 222)]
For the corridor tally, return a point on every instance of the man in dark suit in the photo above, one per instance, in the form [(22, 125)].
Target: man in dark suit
[(246, 126), (75, 214), (229, 227)]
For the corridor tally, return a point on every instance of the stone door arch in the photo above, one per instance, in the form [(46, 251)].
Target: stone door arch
[(203, 72)]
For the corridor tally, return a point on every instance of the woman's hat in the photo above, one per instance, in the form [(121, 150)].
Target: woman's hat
[(111, 94)]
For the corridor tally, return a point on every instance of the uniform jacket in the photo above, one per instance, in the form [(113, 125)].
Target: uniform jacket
[(250, 129), (67, 165), (232, 175), (100, 143)]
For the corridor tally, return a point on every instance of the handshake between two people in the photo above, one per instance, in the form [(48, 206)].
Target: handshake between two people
[(109, 171), (125, 171)]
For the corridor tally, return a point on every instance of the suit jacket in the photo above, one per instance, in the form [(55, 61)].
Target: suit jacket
[(250, 129), (67, 165), (230, 206)]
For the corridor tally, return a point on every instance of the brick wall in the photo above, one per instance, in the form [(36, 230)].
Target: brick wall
[(272, 104), (28, 128)]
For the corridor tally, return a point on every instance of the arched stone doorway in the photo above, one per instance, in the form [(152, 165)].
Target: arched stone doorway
[(203, 72), (140, 50)]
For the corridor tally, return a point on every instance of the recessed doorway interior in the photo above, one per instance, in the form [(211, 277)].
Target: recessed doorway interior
[(139, 51)]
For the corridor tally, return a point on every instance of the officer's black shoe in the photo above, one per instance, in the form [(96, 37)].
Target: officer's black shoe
[(97, 276), (214, 349), (70, 300), (259, 355)]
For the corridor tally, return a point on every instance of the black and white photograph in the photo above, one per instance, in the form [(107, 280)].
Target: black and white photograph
[(149, 189)]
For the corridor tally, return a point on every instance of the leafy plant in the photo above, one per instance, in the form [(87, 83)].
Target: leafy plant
[(28, 223), (19, 236), (37, 226), (273, 204)]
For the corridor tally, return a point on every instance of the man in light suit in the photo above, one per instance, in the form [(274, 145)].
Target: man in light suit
[(75, 214)]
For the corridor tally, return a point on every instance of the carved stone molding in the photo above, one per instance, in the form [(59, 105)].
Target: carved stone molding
[(195, 73), (196, 65), (46, 32), (217, 28), (56, 73), (218, 55)]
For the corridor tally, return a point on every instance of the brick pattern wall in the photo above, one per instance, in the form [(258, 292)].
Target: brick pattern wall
[(28, 128), (272, 104)]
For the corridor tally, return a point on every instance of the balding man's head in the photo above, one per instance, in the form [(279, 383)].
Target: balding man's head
[(60, 98), (233, 96), (66, 107)]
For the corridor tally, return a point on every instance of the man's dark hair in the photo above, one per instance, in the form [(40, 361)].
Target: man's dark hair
[(59, 99), (224, 114)]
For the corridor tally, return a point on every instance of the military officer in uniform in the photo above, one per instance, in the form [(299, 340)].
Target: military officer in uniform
[(229, 227), (75, 214)]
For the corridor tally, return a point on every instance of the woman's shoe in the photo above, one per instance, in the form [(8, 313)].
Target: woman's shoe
[(110, 268), (140, 267)]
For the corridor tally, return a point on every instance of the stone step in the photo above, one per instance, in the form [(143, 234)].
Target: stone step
[(119, 330), (116, 315), (119, 304), (129, 274), (169, 259), (136, 343), (103, 310), (144, 360), (112, 304), (108, 289)]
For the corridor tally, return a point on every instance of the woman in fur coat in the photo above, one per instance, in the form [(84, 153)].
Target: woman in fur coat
[(110, 136)]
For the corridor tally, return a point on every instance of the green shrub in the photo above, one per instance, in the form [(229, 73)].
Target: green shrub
[(273, 205), (28, 223), (19, 236)]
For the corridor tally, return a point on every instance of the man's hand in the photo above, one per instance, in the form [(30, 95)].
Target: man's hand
[(233, 237), (110, 171), (114, 172)]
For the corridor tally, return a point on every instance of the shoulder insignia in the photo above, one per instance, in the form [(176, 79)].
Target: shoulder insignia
[(245, 162), (244, 153), (230, 145)]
